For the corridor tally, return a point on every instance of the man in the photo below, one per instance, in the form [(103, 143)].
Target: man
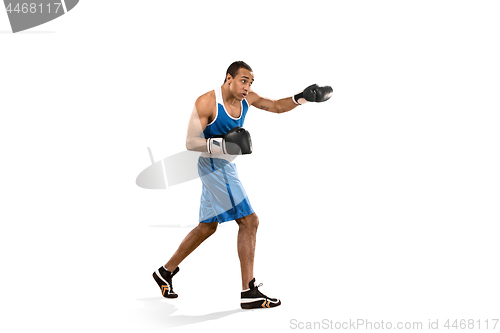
[(215, 129)]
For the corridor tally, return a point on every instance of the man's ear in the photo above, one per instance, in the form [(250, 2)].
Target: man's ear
[(229, 78)]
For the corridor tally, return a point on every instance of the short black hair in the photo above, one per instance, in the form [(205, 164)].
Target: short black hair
[(235, 67)]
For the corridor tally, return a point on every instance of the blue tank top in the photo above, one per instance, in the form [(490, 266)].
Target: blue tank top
[(223, 122)]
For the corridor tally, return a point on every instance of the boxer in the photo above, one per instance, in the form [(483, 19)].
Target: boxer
[(216, 129)]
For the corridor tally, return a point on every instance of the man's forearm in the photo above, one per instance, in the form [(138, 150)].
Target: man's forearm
[(196, 144), (285, 104)]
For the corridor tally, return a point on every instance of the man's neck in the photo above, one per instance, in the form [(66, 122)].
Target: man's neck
[(227, 96)]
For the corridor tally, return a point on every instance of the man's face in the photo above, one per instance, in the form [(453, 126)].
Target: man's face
[(241, 83)]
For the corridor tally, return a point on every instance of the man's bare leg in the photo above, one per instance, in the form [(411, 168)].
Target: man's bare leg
[(190, 243), (246, 246)]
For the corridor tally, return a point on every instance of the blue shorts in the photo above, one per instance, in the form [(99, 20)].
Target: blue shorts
[(223, 197)]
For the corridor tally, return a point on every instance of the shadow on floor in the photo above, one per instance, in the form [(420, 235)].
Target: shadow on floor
[(160, 314)]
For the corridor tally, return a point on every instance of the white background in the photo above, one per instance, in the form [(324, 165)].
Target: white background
[(380, 204)]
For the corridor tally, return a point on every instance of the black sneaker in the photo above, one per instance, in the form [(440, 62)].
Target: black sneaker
[(164, 280), (253, 299)]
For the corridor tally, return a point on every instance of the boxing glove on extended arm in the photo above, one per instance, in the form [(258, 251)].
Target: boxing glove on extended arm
[(313, 93), (236, 142)]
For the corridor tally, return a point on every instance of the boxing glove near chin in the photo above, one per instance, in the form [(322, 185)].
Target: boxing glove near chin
[(313, 93), (236, 142)]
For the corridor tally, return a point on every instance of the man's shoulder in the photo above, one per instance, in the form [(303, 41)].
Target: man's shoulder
[(207, 97), (206, 103)]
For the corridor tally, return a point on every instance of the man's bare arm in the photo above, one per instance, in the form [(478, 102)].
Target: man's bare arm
[(198, 121), (313, 93), (276, 106)]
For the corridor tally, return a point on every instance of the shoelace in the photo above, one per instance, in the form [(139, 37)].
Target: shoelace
[(259, 292)]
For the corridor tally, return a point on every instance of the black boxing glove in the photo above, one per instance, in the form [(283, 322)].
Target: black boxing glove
[(313, 93), (236, 142)]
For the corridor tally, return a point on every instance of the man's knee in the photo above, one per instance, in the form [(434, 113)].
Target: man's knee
[(250, 221), (208, 228)]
